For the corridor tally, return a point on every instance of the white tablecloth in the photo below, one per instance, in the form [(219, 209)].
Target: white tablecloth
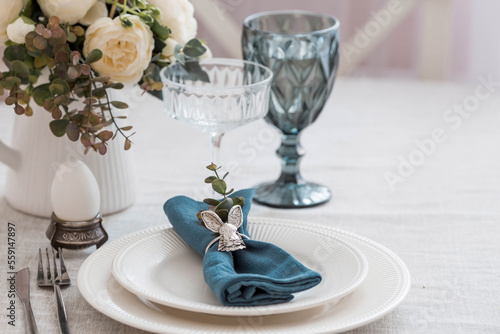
[(442, 217)]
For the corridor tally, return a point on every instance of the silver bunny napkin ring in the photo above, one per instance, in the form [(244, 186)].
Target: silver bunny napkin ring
[(230, 238)]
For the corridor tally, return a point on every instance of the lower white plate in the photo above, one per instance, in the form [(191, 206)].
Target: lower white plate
[(384, 287), (162, 268)]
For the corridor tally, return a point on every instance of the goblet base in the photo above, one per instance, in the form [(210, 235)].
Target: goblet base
[(291, 195)]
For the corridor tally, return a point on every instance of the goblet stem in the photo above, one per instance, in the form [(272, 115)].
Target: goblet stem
[(291, 153), (290, 190), (216, 139)]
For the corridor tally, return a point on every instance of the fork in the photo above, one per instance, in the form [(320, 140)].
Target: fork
[(55, 279)]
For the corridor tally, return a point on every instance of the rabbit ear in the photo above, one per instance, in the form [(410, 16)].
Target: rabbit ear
[(211, 220), (235, 216)]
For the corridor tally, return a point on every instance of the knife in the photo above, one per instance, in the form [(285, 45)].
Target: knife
[(22, 285)]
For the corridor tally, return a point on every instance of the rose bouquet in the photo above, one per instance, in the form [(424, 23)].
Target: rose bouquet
[(62, 51)]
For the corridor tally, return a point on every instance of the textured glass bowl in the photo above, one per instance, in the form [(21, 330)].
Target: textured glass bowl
[(238, 93), (301, 48)]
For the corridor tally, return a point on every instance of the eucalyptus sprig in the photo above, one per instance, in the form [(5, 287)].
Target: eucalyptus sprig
[(220, 207), (56, 47), (71, 78)]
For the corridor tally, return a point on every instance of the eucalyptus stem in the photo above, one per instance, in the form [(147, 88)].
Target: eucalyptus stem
[(113, 118), (112, 11), (124, 7), (219, 186)]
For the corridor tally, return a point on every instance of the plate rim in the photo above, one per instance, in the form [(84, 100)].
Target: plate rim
[(113, 311), (245, 310)]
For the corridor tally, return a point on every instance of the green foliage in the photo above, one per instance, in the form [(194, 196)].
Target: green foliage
[(160, 31), (58, 127), (94, 56), (194, 48), (57, 48), (220, 207)]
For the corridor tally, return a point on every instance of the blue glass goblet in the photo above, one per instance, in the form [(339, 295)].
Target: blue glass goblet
[(301, 48)]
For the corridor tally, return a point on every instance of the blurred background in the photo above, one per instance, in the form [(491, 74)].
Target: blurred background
[(443, 40)]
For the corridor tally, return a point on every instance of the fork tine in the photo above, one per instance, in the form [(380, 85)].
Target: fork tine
[(64, 272), (49, 276), (57, 277), (40, 276)]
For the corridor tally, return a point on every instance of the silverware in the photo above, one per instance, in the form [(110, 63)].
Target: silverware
[(23, 291), (55, 278)]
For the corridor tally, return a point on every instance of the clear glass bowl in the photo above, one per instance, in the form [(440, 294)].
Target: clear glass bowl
[(237, 94)]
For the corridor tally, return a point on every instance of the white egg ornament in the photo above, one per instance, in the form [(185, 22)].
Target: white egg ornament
[(75, 193)]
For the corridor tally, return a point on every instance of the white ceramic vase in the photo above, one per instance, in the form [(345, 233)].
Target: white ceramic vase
[(35, 154)]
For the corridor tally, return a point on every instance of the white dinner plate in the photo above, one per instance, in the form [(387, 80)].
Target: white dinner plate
[(162, 268), (385, 286)]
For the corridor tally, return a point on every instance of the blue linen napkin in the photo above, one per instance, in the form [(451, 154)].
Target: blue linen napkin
[(261, 274)]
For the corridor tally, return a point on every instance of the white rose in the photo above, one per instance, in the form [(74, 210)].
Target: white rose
[(127, 51), (17, 30), (68, 11), (178, 15), (168, 50), (9, 10), (97, 11)]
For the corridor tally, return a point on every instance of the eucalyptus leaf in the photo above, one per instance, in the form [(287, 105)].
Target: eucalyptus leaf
[(73, 131), (19, 109), (210, 179), (102, 149), (94, 55), (177, 48), (195, 72), (62, 83), (29, 111), (74, 72), (181, 58), (211, 201), (71, 37), (116, 85), (58, 127), (119, 105), (10, 100), (40, 42), (62, 100), (212, 167), (238, 201), (128, 144), (40, 61), (99, 92), (222, 214), (159, 30), (105, 135), (14, 52), (159, 45), (20, 68), (30, 9), (56, 89), (226, 204), (194, 48), (10, 82), (27, 20), (219, 186)]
